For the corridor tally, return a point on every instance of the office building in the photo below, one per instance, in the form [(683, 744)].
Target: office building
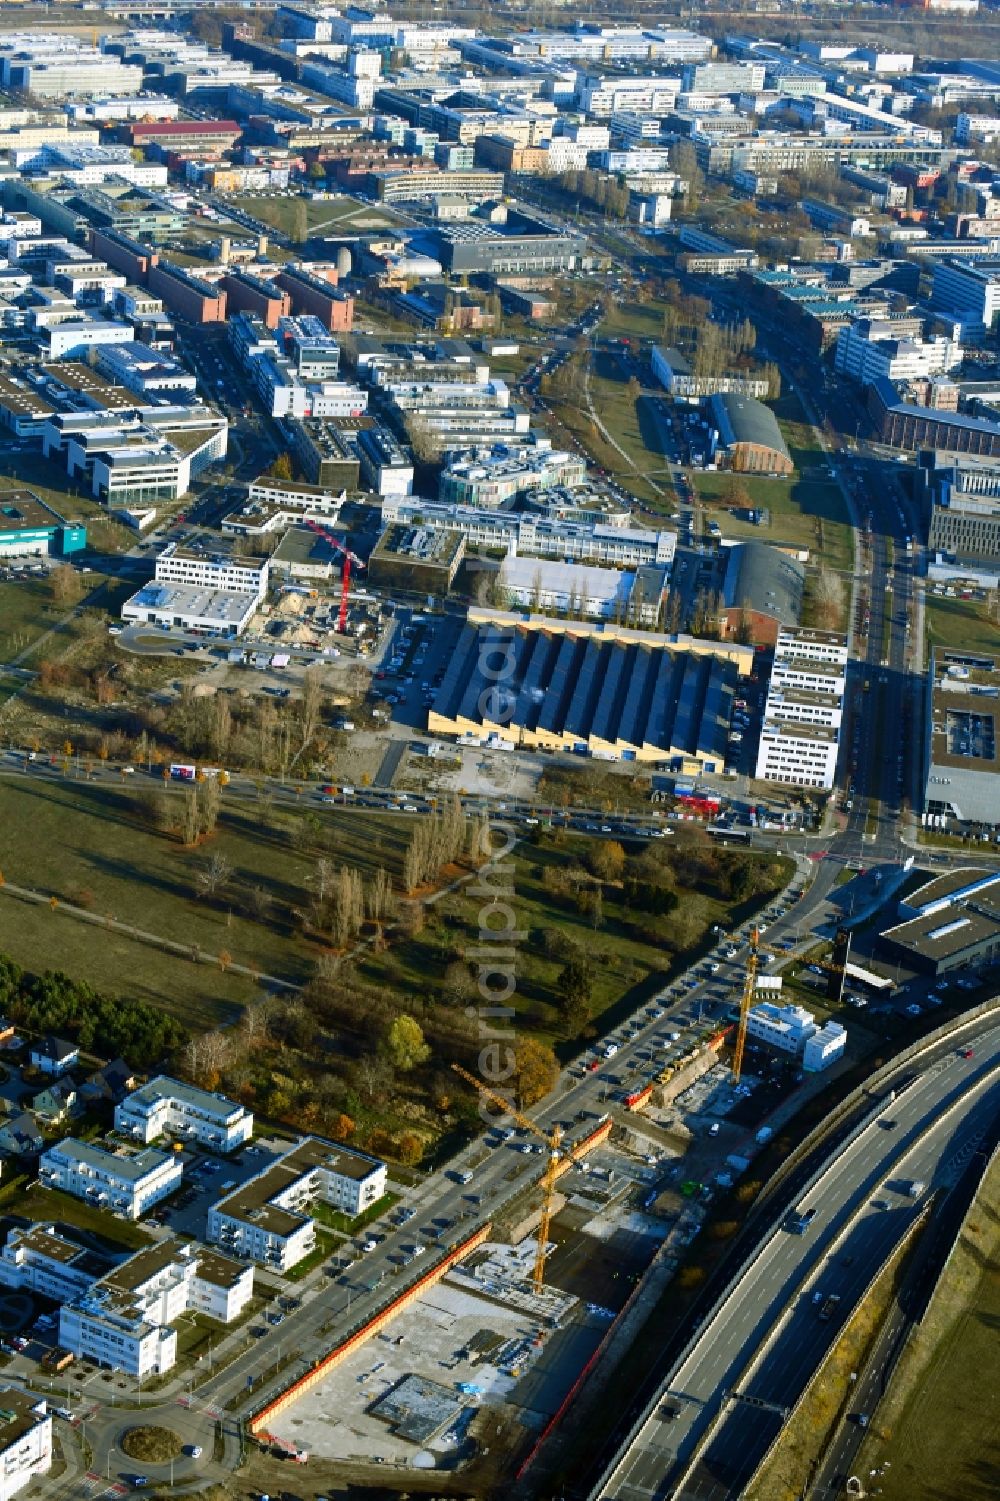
[(534, 533), (386, 466), (519, 244), (319, 297), (961, 510), (951, 922), (166, 1107), (785, 1028), (824, 1047), (677, 377), (25, 1439), (267, 1219), (969, 293), (125, 1183), (585, 592), (416, 557), (197, 301), (903, 424), (962, 741), (870, 350), (800, 733), (490, 478), (236, 575)]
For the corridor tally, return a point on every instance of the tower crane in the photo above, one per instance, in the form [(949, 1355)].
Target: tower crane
[(749, 991), (553, 1141), (349, 557)]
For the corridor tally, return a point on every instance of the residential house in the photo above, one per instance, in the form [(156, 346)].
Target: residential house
[(56, 1101), (20, 1136), (53, 1056), (110, 1083)]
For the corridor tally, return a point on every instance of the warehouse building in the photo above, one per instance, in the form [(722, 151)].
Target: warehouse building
[(30, 528), (761, 592), (961, 741), (748, 435), (600, 690), (952, 922)]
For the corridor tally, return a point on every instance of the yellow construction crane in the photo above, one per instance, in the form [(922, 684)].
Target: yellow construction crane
[(749, 991), (553, 1141)]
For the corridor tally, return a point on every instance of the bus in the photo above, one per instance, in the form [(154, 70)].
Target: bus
[(726, 832)]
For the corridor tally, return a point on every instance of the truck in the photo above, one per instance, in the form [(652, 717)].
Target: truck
[(916, 1188)]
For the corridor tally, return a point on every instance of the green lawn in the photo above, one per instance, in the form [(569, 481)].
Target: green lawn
[(41, 1204), (961, 623), (633, 320), (94, 846), (323, 215), (806, 511)]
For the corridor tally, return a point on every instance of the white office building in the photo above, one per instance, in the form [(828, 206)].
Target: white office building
[(125, 1183), (25, 1439), (868, 351), (166, 1107), (800, 733), (75, 337), (969, 293), (824, 1047), (235, 575), (786, 1028), (267, 1220)]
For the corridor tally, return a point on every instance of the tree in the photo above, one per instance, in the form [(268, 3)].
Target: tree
[(537, 1070), (607, 860), (300, 221), (405, 1044), (281, 467), (66, 585), (409, 1148), (213, 876), (575, 985), (375, 1076)]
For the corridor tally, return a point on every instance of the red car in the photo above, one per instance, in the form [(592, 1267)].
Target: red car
[(968, 1053), (593, 1065)]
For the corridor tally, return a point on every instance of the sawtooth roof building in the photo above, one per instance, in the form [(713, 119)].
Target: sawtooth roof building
[(598, 690)]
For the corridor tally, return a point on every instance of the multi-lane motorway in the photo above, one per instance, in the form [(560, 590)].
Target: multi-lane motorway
[(721, 1407)]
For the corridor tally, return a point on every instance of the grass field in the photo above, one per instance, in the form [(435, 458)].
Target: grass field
[(93, 846), (322, 214), (938, 1427), (633, 320), (807, 511), (961, 623), (41, 1204)]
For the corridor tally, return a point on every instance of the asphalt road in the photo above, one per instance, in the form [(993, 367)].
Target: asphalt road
[(734, 1352)]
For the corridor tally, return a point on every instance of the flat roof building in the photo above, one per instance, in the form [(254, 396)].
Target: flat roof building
[(962, 740), (25, 1439), (168, 1107), (267, 1219), (416, 557), (952, 922), (126, 1183)]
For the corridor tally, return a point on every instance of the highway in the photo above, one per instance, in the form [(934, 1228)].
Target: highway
[(765, 1339)]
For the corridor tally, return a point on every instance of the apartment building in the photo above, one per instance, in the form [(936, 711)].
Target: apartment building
[(40, 1260), (267, 1220), (25, 1439), (124, 1319), (167, 1107), (126, 1183)]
